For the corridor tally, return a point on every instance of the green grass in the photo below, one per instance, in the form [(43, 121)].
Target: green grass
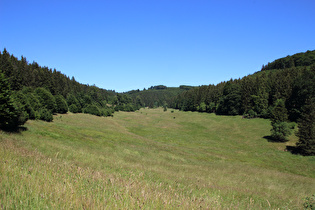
[(151, 159)]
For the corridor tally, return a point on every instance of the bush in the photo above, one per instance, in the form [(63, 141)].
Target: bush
[(33, 101), (106, 112), (250, 114), (202, 107), (46, 99), (73, 108), (92, 109), (46, 115), (292, 125), (129, 108), (280, 131), (71, 99), (266, 113), (23, 103), (61, 104)]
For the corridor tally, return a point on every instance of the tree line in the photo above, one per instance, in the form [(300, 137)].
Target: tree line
[(156, 96), (254, 95), (299, 59), (283, 95), (30, 91), (283, 91)]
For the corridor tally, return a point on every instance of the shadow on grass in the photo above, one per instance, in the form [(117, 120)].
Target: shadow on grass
[(15, 130), (294, 150), (270, 139)]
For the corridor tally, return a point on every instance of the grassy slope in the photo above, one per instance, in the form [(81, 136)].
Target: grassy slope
[(151, 159)]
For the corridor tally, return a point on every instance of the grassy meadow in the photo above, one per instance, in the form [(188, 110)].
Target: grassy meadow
[(151, 159)]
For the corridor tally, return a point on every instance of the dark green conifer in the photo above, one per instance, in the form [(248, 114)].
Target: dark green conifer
[(306, 125), (280, 128), (10, 117), (61, 104), (46, 99)]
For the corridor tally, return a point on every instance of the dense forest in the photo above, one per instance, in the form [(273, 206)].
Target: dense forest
[(30, 91), (157, 96), (283, 91), (296, 60), (256, 95)]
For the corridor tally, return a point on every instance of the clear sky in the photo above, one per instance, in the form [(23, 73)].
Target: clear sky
[(133, 44)]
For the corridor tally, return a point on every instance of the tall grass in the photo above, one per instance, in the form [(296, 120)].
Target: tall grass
[(151, 159)]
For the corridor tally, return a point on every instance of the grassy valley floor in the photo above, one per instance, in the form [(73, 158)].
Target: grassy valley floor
[(151, 159)]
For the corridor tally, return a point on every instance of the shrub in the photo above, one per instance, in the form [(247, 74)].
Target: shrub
[(202, 107), (292, 125), (129, 108), (250, 114), (33, 101), (280, 131), (61, 104), (45, 114), (92, 109), (73, 108), (106, 112), (46, 99), (22, 101), (71, 99)]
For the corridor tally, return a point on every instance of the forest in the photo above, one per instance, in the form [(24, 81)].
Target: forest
[(30, 91), (283, 91)]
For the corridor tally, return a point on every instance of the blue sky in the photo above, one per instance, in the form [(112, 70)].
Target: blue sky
[(133, 44)]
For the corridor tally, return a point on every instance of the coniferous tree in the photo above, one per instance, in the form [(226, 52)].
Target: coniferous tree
[(247, 91), (230, 103), (61, 104), (21, 101), (46, 99), (306, 124), (280, 128), (303, 88), (74, 108), (92, 109), (45, 115), (10, 116), (74, 103)]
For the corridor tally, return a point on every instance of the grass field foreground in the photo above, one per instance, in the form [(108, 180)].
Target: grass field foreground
[(151, 159)]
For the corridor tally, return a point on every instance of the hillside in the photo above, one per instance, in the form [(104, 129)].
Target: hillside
[(156, 158), (38, 92), (157, 96), (29, 91), (257, 94), (151, 159), (296, 60)]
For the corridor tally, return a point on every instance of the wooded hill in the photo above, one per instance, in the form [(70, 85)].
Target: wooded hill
[(157, 96), (283, 90), (30, 91), (296, 60), (255, 95)]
